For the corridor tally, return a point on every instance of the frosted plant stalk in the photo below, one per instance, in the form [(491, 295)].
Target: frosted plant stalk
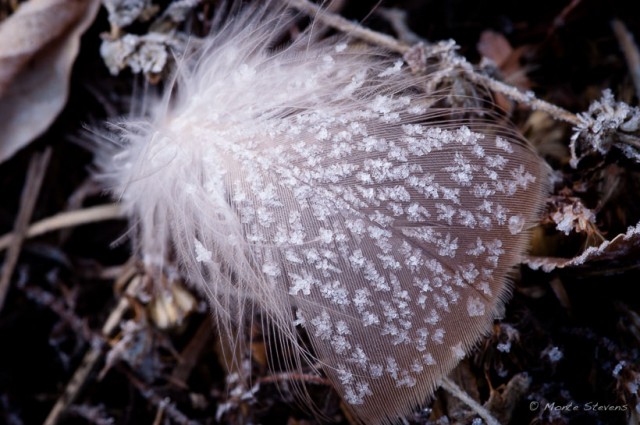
[(320, 186)]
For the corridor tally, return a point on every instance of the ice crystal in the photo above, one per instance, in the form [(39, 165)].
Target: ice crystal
[(554, 354), (618, 368)]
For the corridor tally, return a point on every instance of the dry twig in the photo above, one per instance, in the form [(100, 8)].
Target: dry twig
[(630, 50), (65, 220), (164, 405), (90, 360), (390, 43), (461, 395), (33, 183)]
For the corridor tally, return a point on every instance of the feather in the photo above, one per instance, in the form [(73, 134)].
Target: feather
[(323, 186)]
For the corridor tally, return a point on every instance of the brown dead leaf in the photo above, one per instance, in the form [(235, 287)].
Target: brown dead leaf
[(549, 138), (38, 45), (495, 46), (504, 399)]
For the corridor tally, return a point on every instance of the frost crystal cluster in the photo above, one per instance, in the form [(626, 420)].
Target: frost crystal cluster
[(322, 186), (607, 123)]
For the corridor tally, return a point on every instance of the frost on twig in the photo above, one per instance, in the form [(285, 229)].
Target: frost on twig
[(625, 245), (606, 124), (411, 53), (93, 414), (148, 53)]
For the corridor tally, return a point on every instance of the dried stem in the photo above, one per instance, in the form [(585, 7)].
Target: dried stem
[(164, 405), (348, 27), (66, 314), (65, 220), (388, 42), (630, 50), (33, 183), (461, 395), (398, 20), (91, 359), (526, 98), (189, 356), (300, 377)]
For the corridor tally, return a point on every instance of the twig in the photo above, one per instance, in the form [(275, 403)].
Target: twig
[(163, 404), (398, 20), (299, 377), (93, 414), (630, 50), (90, 360), (458, 393), (527, 98), (560, 20), (76, 200), (348, 27), (189, 356), (63, 311), (66, 219), (30, 191), (388, 42)]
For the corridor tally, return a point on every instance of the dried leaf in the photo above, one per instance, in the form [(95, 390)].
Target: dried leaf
[(504, 399), (625, 245), (38, 45), (572, 216), (495, 46)]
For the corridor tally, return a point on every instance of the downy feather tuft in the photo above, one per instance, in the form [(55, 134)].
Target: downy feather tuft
[(322, 186)]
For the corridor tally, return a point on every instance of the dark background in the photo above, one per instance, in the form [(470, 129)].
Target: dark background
[(566, 52)]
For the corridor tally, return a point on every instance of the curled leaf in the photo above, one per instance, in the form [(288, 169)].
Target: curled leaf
[(38, 45), (625, 245)]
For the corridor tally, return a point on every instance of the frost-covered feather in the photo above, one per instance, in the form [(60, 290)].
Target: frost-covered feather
[(320, 184)]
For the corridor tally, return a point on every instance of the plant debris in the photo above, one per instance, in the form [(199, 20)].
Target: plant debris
[(85, 341)]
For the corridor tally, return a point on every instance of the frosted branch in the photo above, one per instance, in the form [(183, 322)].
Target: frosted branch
[(432, 50)]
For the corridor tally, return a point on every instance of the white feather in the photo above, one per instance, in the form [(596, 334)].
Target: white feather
[(320, 184)]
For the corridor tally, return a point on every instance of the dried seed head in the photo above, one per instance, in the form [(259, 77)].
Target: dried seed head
[(321, 184)]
